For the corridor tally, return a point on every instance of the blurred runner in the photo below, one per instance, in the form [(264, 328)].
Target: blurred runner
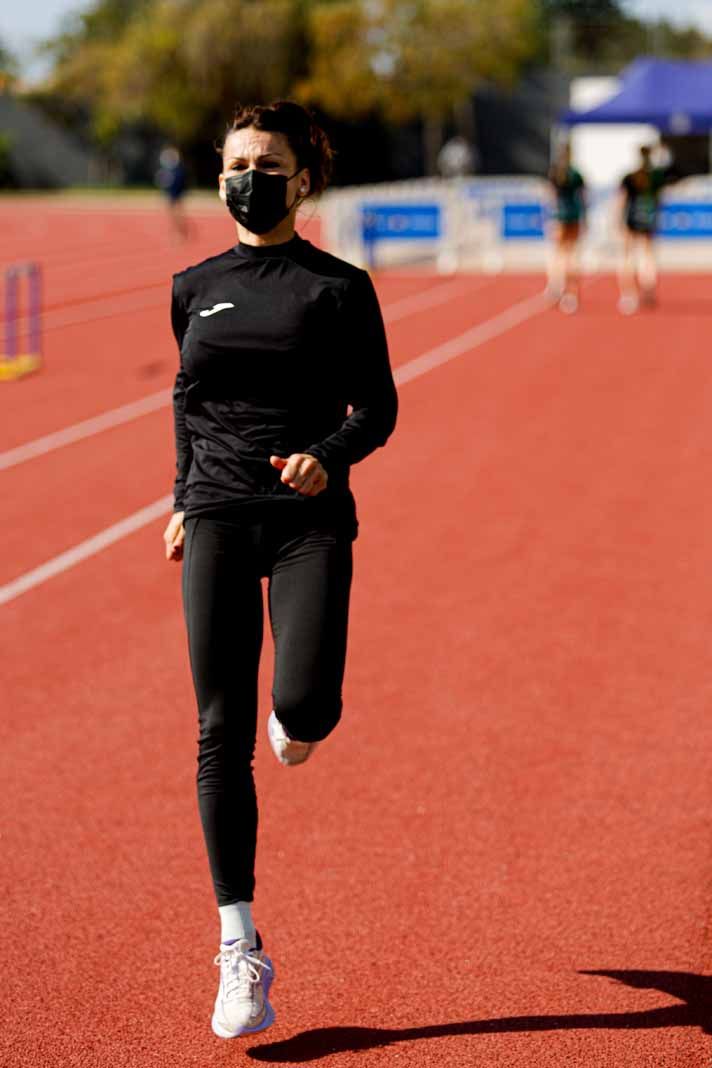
[(638, 213), (569, 214), (171, 177)]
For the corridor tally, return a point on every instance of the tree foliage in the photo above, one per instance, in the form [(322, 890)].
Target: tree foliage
[(585, 11), (176, 63), (181, 65), (412, 58), (8, 68), (587, 35)]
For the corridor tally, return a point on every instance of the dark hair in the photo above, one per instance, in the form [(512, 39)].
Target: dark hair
[(305, 137)]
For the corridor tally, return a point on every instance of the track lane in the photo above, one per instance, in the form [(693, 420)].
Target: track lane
[(525, 784), (89, 371)]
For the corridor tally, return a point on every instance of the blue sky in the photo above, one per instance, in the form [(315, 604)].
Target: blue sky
[(697, 12), (22, 23)]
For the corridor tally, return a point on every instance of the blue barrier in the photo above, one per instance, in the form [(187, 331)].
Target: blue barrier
[(523, 221), (675, 220), (399, 222), (686, 221)]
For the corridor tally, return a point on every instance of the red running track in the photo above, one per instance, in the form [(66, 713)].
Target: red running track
[(502, 857)]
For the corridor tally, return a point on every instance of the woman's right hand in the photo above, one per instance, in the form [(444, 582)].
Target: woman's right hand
[(174, 536)]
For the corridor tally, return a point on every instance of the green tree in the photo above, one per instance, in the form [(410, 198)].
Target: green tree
[(8, 68), (181, 65), (177, 64), (583, 30), (413, 58), (663, 38), (586, 12), (585, 35), (82, 56)]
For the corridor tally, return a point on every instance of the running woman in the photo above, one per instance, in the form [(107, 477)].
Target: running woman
[(284, 382), (569, 215), (638, 212)]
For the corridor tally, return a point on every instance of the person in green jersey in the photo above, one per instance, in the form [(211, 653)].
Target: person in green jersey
[(638, 213), (569, 218)]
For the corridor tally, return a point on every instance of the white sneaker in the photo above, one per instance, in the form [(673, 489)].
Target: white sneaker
[(569, 304), (628, 304), (287, 750), (242, 1006)]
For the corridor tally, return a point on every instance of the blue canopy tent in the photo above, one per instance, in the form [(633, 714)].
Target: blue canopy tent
[(676, 97)]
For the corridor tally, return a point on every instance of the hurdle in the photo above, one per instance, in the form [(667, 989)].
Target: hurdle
[(22, 350)]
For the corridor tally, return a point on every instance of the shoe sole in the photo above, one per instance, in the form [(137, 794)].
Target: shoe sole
[(285, 761), (295, 763), (222, 1032)]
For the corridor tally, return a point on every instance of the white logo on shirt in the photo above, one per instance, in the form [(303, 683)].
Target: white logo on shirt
[(216, 308)]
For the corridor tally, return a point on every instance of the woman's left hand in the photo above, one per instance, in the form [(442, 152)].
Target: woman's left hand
[(301, 472)]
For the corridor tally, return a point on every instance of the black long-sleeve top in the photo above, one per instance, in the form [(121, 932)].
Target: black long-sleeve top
[(282, 350)]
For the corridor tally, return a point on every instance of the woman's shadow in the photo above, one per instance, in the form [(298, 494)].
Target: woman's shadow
[(692, 992)]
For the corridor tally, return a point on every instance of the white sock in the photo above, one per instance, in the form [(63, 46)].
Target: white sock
[(236, 922)]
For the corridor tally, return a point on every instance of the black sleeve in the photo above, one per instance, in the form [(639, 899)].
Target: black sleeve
[(184, 452), (370, 387)]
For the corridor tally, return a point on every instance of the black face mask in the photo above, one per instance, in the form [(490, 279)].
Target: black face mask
[(258, 201)]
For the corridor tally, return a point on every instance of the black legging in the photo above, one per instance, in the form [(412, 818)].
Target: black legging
[(309, 572)]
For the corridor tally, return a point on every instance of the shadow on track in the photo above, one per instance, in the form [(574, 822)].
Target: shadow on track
[(694, 991)]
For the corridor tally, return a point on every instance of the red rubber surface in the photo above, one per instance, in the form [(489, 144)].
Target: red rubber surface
[(519, 794)]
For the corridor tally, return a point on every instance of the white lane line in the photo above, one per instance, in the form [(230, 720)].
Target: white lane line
[(458, 346), (86, 429), (428, 298), (85, 549), (472, 338)]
